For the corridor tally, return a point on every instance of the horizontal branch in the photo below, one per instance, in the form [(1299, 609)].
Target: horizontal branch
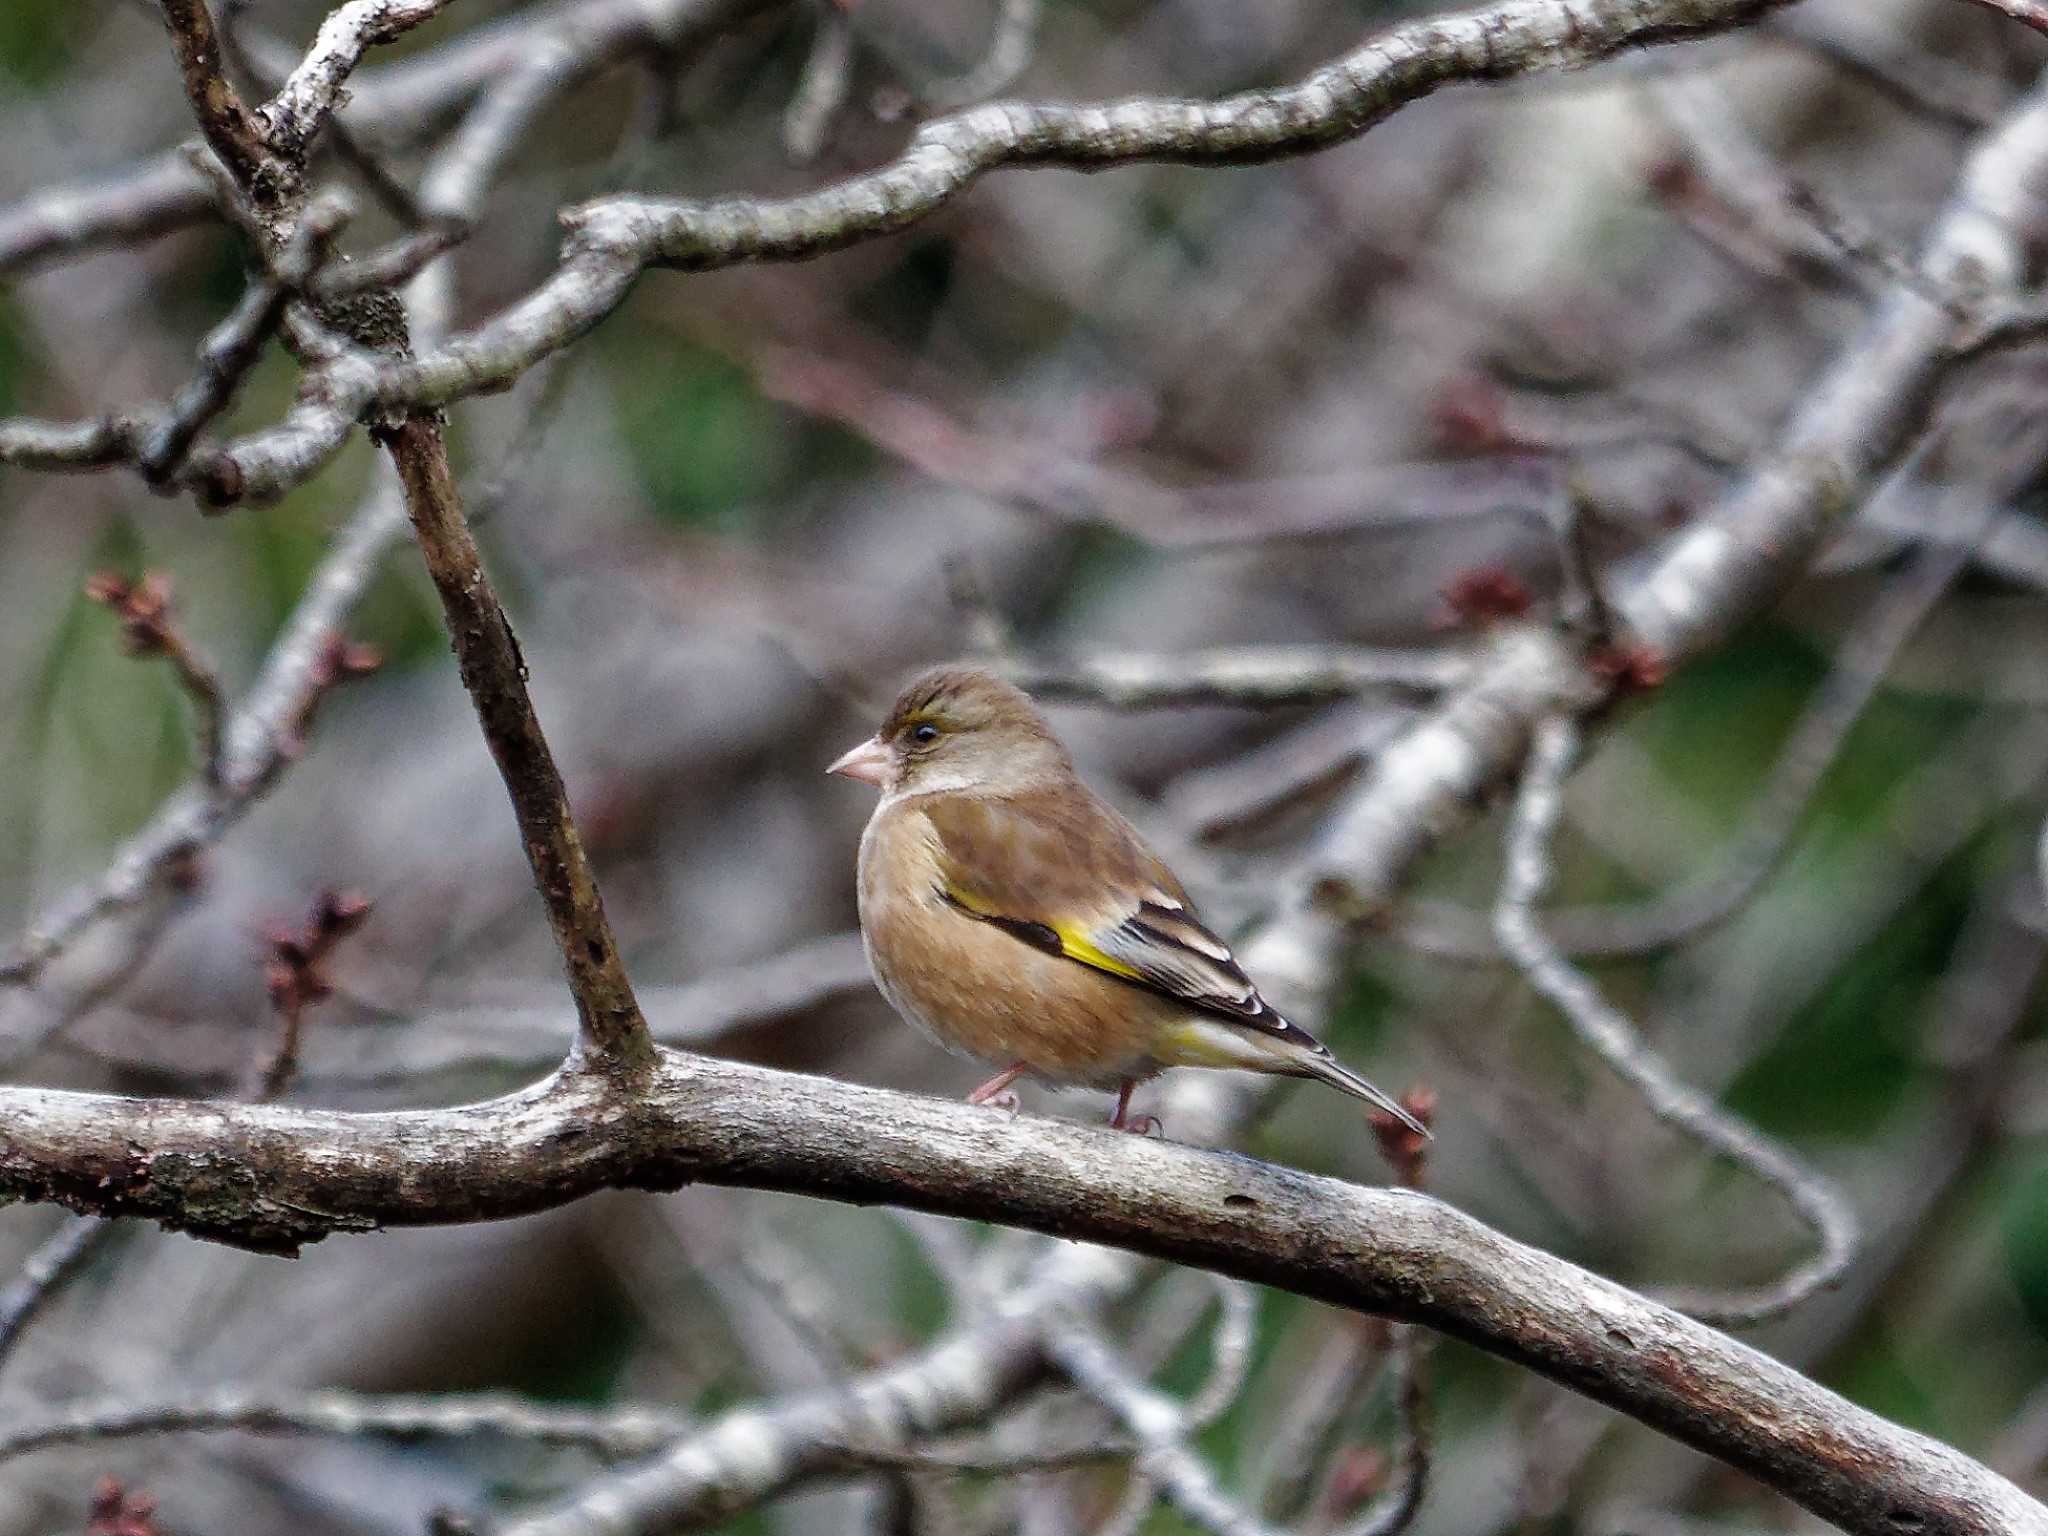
[(1249, 674), (607, 1431), (149, 198), (612, 241), (273, 1177)]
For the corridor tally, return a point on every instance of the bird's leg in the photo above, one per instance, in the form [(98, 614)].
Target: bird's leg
[(996, 1090), (1124, 1120)]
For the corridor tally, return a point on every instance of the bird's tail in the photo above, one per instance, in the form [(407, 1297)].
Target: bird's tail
[(1313, 1059)]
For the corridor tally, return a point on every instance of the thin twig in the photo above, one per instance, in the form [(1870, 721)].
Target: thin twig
[(1771, 818), (148, 629), (822, 88), (1333, 1383), (296, 978), (231, 348), (1924, 83), (60, 1256), (290, 119), (259, 741), (1789, 216), (1157, 1423), (608, 1432), (1610, 1034), (1010, 47)]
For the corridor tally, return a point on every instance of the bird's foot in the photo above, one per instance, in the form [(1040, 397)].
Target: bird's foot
[(996, 1090), (1144, 1125), (1004, 1099)]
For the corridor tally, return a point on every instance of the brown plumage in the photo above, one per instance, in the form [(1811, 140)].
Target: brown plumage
[(1014, 917)]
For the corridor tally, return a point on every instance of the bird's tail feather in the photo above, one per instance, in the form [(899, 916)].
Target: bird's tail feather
[(1320, 1064)]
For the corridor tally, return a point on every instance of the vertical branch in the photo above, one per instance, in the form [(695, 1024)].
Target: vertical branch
[(230, 127), (613, 1030)]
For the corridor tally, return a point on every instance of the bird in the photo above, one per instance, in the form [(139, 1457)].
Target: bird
[(1013, 916)]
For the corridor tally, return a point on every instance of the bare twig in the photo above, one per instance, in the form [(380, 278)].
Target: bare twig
[(230, 128), (1043, 480), (455, 185), (296, 979), (1610, 1034), (1158, 1424), (148, 629), (231, 348), (158, 440), (60, 1256), (613, 1030), (1923, 83), (1408, 1347), (289, 121), (258, 741), (1788, 215), (1230, 1354), (1322, 1398), (151, 198), (70, 445), (615, 1431), (1771, 818), (1010, 47), (822, 88)]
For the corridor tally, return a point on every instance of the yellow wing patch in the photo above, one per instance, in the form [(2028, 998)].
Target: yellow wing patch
[(1074, 944), (1068, 939)]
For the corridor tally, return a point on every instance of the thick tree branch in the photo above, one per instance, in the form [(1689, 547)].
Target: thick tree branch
[(275, 1177), (1247, 674)]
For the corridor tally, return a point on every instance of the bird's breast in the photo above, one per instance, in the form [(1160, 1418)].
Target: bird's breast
[(980, 990)]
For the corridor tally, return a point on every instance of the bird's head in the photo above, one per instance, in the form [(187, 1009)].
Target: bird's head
[(958, 729)]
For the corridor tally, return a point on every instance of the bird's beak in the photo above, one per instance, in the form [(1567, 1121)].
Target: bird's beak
[(868, 762)]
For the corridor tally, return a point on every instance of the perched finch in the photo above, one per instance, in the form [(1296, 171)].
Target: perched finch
[(1014, 917)]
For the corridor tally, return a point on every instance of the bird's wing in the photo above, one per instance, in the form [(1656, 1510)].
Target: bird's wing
[(1066, 874)]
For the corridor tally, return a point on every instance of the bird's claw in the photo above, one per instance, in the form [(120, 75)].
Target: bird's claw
[(1006, 1101), (1144, 1125)]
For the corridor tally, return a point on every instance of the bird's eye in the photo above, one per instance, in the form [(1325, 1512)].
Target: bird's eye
[(926, 734)]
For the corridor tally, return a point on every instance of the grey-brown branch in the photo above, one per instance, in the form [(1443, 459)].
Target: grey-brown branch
[(273, 1177)]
